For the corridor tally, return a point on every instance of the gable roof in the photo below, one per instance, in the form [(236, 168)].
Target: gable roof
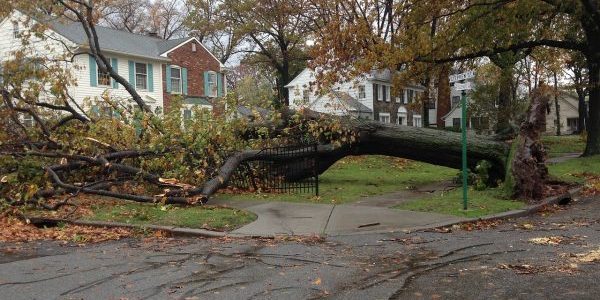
[(350, 102), (113, 40), (171, 45)]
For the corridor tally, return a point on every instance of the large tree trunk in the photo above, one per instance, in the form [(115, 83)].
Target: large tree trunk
[(582, 110), (593, 125), (528, 166)]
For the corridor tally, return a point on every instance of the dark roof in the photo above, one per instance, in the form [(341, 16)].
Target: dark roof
[(248, 112), (353, 103), (117, 40), (197, 101)]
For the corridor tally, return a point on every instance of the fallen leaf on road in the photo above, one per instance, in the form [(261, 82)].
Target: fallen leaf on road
[(551, 240), (588, 257), (317, 281)]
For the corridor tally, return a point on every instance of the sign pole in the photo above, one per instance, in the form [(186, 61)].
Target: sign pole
[(465, 171)]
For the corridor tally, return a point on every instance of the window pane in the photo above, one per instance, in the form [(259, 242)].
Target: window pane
[(140, 68), (140, 81), (176, 85), (175, 73)]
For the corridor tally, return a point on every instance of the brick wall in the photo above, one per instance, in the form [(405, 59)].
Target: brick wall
[(196, 63)]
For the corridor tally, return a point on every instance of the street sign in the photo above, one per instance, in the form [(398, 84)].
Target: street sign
[(467, 86), (462, 76)]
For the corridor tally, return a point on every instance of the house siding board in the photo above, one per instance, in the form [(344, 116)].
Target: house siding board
[(82, 91), (568, 109), (196, 64)]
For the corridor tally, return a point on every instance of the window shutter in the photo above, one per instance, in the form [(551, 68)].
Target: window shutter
[(219, 85), (150, 78), (93, 72), (168, 75), (132, 73), (375, 92), (206, 93), (115, 65), (184, 81)]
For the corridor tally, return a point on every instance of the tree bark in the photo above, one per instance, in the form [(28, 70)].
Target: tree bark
[(556, 105), (528, 166), (593, 125)]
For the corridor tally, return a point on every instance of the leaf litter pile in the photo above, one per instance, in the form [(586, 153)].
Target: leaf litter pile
[(13, 229)]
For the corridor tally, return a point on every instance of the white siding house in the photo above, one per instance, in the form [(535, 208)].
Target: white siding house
[(568, 105), (137, 58)]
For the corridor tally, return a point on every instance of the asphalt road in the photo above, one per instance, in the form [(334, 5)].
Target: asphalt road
[(502, 262)]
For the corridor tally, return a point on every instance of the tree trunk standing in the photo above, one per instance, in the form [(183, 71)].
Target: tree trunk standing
[(425, 101), (528, 166), (504, 102), (556, 104), (593, 125), (582, 110)]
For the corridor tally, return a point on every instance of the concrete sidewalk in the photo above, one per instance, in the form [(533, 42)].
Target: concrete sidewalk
[(283, 218)]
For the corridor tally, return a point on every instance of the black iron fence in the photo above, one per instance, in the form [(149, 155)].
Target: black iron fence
[(288, 169)]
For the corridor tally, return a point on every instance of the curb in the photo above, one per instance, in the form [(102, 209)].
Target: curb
[(191, 232), (561, 199), (175, 231)]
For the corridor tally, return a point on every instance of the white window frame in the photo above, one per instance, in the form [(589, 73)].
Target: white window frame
[(380, 92), (187, 114), (362, 92), (135, 72), (194, 47), (305, 96), (385, 119), (417, 121), (28, 121), (180, 85), (16, 32), (212, 84)]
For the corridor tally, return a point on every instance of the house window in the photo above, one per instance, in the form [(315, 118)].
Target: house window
[(400, 98), (401, 120), (362, 94), (28, 120), (380, 93), (187, 114), (384, 117), (411, 96), (212, 84), (417, 121), (305, 96), (572, 123), (103, 77), (456, 122), (176, 80), (431, 103), (455, 100), (141, 76), (193, 47), (16, 31)]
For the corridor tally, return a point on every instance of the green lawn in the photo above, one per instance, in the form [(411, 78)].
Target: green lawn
[(354, 177), (573, 169), (480, 203), (560, 145), (214, 218)]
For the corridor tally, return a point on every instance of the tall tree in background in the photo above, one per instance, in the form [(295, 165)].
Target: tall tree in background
[(207, 22), (274, 34)]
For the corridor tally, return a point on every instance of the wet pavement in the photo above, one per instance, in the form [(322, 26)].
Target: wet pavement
[(502, 262)]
